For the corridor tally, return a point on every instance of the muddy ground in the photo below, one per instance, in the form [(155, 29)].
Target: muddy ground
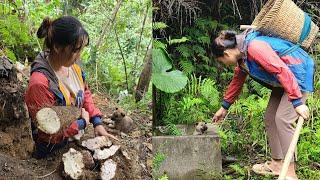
[(137, 144)]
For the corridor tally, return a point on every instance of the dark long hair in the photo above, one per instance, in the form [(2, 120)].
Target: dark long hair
[(225, 40), (62, 32)]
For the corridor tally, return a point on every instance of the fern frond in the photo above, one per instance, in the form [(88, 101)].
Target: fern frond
[(177, 41), (159, 25), (209, 92), (187, 66), (193, 86), (204, 40), (184, 50), (188, 102), (159, 45), (199, 50)]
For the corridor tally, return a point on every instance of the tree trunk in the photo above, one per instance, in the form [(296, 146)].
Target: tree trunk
[(145, 76)]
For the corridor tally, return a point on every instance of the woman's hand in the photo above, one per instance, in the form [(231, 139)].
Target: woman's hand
[(101, 131), (85, 115), (219, 115), (303, 111)]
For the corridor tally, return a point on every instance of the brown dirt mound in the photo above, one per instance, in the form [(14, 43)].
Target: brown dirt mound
[(15, 130), (133, 165)]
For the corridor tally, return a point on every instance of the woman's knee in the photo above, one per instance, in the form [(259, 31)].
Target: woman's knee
[(269, 119), (284, 121)]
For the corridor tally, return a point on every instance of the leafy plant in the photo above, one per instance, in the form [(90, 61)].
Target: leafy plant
[(159, 25), (164, 177), (177, 41), (170, 82), (15, 36), (238, 169), (187, 67), (158, 158), (173, 130)]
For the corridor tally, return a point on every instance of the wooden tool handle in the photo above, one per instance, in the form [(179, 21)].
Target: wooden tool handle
[(244, 27), (291, 149)]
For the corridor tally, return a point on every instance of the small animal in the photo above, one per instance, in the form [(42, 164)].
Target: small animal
[(201, 128), (108, 121), (123, 123)]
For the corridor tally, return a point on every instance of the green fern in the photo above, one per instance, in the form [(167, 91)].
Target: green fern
[(184, 50), (157, 160), (204, 89), (173, 130), (164, 177), (15, 37), (159, 25), (194, 85), (209, 92), (262, 91), (10, 54), (177, 41), (199, 50), (238, 169), (206, 60), (204, 40), (187, 66), (13, 32), (206, 24), (159, 45), (189, 102)]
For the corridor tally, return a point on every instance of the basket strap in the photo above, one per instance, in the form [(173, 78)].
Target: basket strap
[(290, 50), (306, 28), (304, 34)]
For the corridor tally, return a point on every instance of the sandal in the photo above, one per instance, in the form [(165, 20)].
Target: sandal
[(264, 169)]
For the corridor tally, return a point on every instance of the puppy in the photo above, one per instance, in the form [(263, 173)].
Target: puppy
[(201, 128), (123, 123)]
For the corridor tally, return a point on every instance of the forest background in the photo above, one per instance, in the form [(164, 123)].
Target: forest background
[(120, 41), (183, 32)]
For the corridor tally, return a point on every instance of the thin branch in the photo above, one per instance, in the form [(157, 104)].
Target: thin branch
[(123, 59), (236, 8), (106, 26), (139, 44), (94, 49)]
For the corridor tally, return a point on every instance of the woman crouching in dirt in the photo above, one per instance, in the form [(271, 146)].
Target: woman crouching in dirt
[(57, 80), (289, 76)]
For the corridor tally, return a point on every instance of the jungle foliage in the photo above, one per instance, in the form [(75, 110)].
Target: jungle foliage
[(120, 33), (185, 31)]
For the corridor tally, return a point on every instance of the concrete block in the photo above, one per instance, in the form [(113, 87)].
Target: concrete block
[(188, 156)]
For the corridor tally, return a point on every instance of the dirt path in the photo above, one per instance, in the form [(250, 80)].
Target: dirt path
[(137, 144)]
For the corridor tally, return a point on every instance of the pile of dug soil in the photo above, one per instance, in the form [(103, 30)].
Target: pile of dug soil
[(15, 130), (136, 164)]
